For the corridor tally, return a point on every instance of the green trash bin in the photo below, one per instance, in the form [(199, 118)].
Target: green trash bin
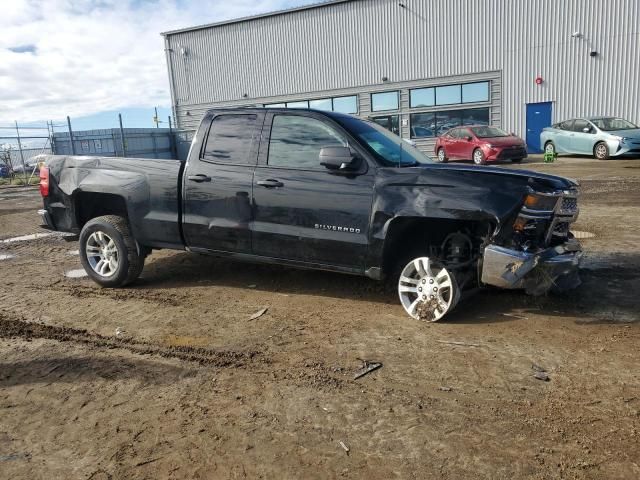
[(550, 157)]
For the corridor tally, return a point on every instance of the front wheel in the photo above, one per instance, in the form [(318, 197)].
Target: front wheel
[(478, 157), (601, 151), (427, 291), (442, 156), (108, 252)]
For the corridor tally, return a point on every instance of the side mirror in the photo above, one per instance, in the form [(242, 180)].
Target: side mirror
[(469, 138), (338, 158), (586, 130), (512, 134)]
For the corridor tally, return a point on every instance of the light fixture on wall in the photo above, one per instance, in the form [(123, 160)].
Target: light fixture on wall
[(576, 34), (385, 79), (245, 95), (593, 53)]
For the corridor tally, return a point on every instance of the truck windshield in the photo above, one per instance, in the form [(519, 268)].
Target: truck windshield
[(611, 124), (388, 148)]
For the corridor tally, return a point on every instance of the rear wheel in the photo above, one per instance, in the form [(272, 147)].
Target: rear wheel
[(108, 252), (550, 148), (442, 156), (601, 151), (427, 291), (478, 157)]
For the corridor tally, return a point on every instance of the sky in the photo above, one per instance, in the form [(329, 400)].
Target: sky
[(91, 59)]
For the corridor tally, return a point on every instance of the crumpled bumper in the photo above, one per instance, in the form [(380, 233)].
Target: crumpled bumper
[(536, 273)]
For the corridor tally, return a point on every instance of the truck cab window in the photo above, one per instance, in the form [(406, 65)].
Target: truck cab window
[(296, 141), (230, 139)]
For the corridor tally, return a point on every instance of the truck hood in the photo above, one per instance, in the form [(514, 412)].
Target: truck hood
[(495, 175)]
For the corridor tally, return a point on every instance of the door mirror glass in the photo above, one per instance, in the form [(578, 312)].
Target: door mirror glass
[(469, 138), (338, 158), (586, 130)]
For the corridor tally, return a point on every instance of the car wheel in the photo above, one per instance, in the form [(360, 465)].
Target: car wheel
[(108, 252), (550, 148), (442, 157), (478, 157), (516, 160), (601, 151), (427, 291)]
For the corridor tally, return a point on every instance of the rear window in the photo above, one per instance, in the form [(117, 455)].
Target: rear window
[(230, 139)]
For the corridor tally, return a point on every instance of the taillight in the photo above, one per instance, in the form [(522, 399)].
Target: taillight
[(44, 181)]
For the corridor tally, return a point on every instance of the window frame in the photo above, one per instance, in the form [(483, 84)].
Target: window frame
[(255, 139), (263, 157), (397, 109)]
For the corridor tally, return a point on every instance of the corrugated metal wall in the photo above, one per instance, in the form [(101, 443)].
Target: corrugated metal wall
[(355, 44)]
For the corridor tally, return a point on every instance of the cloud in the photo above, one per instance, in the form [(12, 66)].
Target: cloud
[(79, 57)]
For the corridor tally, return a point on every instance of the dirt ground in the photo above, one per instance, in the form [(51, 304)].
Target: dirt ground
[(190, 387)]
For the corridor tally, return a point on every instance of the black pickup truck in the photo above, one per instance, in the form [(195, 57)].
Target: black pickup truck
[(320, 190)]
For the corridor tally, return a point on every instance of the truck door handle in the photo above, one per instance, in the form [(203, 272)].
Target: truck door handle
[(200, 177), (270, 183)]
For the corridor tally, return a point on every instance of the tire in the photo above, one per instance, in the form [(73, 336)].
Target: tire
[(478, 157), (549, 147), (516, 160), (108, 252), (601, 151), (442, 156)]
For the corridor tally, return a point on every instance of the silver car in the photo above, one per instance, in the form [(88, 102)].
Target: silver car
[(602, 137)]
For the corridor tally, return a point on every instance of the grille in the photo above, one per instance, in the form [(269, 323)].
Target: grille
[(569, 205)]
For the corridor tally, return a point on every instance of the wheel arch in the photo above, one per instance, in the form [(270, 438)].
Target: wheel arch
[(89, 205), (404, 234)]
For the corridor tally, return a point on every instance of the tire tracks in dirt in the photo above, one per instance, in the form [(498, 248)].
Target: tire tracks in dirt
[(11, 327)]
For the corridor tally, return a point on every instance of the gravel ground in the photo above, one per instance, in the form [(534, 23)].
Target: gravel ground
[(171, 379)]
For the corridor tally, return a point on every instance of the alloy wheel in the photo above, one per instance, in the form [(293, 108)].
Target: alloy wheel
[(102, 254), (427, 292)]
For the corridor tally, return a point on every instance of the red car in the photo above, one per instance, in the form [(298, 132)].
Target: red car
[(480, 143)]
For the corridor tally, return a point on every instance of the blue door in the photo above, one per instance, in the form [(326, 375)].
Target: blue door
[(538, 117)]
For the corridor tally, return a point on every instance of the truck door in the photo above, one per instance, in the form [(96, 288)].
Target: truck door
[(217, 183), (303, 211)]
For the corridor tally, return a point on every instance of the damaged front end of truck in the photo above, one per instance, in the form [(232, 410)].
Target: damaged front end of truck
[(536, 251)]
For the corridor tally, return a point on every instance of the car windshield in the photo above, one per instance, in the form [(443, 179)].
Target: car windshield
[(611, 124), (488, 132), (388, 148)]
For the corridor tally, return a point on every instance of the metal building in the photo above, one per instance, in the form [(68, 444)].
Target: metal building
[(419, 67)]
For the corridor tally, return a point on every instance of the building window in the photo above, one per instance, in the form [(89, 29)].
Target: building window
[(345, 104), (422, 97), (276, 105), (321, 104), (475, 116), (384, 101), (296, 141), (230, 138), (423, 125), (433, 124), (448, 95), (475, 92), (302, 104)]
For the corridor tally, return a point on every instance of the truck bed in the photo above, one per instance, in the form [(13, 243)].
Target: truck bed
[(150, 189)]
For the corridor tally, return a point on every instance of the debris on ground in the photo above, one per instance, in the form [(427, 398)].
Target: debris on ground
[(367, 367), (251, 286), (426, 310), (259, 313), (513, 315), (538, 368), (541, 376), (344, 446), (460, 344), (445, 389), (119, 331)]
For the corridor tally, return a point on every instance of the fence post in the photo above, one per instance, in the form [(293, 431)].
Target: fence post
[(73, 147), (24, 168), (124, 147)]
